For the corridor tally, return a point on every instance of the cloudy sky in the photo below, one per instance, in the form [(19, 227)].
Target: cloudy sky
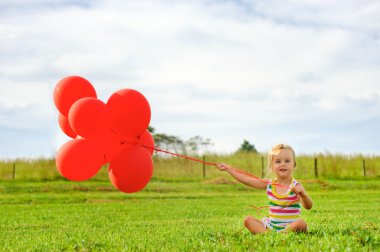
[(302, 72)]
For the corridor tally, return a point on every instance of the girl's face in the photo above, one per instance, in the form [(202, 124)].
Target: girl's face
[(283, 164)]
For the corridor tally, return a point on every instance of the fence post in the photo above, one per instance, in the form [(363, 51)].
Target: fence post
[(204, 166), (364, 168), (262, 167), (14, 171), (316, 167)]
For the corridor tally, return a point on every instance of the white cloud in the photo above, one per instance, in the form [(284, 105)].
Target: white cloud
[(267, 71)]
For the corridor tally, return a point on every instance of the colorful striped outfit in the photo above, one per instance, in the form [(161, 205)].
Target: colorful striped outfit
[(280, 216)]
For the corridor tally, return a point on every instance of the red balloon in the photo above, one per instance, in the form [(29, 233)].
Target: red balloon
[(130, 140), (79, 159), (65, 126), (147, 141), (69, 90), (129, 112), (109, 143), (131, 169), (89, 117)]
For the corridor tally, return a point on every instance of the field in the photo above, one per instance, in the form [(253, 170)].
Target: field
[(186, 207), (178, 214)]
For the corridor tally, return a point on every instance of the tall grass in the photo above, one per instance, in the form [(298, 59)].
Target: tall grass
[(25, 169), (167, 167)]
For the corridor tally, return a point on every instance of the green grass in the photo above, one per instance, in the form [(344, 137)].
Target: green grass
[(179, 215)]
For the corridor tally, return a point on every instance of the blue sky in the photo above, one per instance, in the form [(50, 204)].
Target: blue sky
[(302, 72)]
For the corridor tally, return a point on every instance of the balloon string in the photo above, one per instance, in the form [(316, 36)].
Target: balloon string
[(262, 180), (270, 214), (213, 164), (236, 170), (157, 149), (179, 155)]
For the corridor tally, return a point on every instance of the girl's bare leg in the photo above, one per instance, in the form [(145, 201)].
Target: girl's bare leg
[(298, 226), (254, 226)]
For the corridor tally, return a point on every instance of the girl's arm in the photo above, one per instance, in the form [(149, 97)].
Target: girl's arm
[(242, 178), (306, 201)]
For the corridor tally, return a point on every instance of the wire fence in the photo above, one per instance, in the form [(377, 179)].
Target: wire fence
[(318, 166)]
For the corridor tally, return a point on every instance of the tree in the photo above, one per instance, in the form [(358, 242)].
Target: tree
[(168, 142), (194, 144), (247, 147), (151, 129), (173, 143)]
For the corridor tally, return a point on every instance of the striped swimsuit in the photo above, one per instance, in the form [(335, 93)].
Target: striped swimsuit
[(280, 216)]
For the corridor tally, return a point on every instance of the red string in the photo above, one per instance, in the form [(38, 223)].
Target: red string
[(157, 149), (179, 155), (262, 180), (263, 207), (213, 164), (237, 170)]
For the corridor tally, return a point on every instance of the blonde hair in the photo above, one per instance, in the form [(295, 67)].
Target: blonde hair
[(275, 150)]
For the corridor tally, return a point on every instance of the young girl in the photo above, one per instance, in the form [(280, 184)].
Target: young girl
[(284, 193)]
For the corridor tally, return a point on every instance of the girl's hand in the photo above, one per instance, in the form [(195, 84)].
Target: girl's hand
[(299, 190), (223, 167)]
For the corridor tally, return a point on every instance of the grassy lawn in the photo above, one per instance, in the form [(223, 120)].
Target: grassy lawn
[(180, 215)]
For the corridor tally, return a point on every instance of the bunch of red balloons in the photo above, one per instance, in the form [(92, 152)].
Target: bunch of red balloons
[(114, 132)]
